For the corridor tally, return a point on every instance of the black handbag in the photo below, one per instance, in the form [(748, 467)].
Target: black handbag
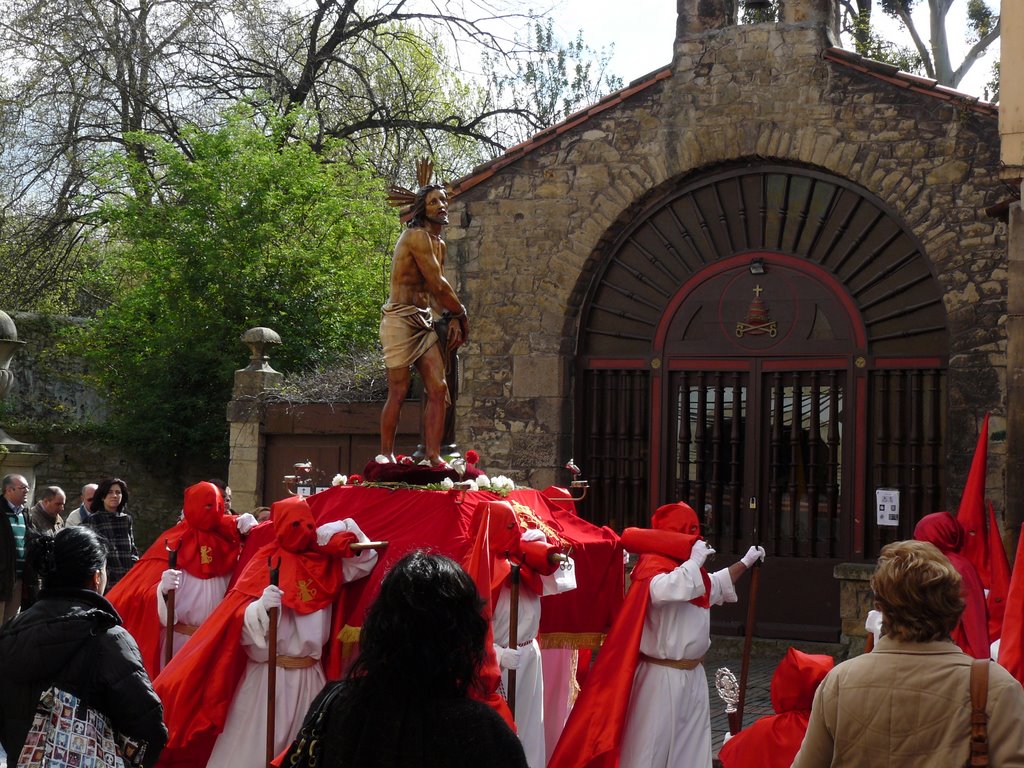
[(305, 750)]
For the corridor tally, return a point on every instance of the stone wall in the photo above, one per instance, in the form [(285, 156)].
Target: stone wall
[(526, 240), (50, 407)]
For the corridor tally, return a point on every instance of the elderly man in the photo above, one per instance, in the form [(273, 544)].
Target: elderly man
[(14, 530), (46, 515), (82, 514)]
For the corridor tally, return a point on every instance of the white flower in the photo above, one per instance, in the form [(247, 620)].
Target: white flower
[(483, 481), (502, 482), (472, 485), (459, 465), (339, 480), (447, 483)]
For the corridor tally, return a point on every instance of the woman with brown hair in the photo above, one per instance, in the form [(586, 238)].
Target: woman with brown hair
[(908, 702)]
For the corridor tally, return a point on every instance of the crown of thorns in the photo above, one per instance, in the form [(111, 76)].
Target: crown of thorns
[(404, 198)]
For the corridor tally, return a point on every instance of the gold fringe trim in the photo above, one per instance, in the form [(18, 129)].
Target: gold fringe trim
[(590, 641), (349, 634)]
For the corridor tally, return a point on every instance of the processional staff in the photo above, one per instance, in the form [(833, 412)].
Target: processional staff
[(513, 634), (272, 664), (172, 564)]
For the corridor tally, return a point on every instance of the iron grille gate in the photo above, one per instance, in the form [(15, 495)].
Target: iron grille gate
[(762, 463)]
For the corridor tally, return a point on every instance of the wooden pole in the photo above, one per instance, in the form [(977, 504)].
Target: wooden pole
[(172, 564), (748, 639), (513, 635), (272, 666)]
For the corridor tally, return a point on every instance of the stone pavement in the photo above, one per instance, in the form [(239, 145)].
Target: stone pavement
[(727, 652), (765, 656)]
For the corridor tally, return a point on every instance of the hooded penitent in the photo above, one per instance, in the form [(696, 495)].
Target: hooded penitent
[(198, 686), (207, 544), (772, 742), (593, 733), (971, 633), (496, 540)]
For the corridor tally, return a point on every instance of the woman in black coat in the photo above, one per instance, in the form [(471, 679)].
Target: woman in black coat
[(73, 638)]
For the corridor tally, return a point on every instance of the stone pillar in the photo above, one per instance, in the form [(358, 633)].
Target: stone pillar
[(16, 457), (1015, 373), (814, 13), (245, 414), (696, 17), (855, 600), (1011, 136)]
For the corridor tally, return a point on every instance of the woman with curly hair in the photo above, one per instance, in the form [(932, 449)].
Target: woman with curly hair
[(405, 700), (110, 520)]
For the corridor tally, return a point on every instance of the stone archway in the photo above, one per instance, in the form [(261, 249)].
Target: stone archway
[(767, 342)]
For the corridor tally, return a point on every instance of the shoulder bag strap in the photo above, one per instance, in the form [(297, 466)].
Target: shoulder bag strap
[(979, 719)]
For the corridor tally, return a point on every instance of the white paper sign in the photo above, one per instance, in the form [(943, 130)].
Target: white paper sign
[(887, 506)]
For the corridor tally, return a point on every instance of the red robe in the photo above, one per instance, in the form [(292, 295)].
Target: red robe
[(495, 536), (593, 733), (773, 741), (207, 545), (198, 686), (971, 633)]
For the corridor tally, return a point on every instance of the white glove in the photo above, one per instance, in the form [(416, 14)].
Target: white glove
[(169, 579), (753, 555), (508, 658), (701, 551), (533, 534), (327, 531), (271, 598), (245, 523)]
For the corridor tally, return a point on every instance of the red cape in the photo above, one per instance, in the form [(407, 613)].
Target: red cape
[(593, 733), (772, 742), (134, 597), (999, 578), (197, 687), (1011, 645), (971, 633)]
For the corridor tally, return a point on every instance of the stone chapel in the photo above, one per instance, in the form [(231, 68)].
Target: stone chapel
[(769, 279)]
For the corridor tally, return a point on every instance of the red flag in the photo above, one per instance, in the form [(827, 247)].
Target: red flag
[(1011, 645), (971, 514), (999, 586)]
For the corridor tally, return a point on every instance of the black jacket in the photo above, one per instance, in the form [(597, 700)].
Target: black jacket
[(376, 728), (74, 639)]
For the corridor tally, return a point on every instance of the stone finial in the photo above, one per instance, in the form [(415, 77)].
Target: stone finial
[(258, 340), (696, 17)]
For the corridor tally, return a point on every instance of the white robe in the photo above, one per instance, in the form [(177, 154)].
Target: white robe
[(668, 724), (194, 601), (242, 743), (529, 714)]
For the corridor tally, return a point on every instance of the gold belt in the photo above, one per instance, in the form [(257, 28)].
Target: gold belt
[(296, 662), (674, 663), (185, 629)]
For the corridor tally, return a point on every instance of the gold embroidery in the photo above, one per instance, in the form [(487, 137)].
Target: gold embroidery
[(204, 555), (529, 519), (306, 592)]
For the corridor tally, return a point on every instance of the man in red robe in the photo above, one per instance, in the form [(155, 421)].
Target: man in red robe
[(645, 703), (207, 542), (215, 691), (971, 633)]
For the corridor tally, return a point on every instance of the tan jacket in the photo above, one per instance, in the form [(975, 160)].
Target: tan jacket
[(909, 704)]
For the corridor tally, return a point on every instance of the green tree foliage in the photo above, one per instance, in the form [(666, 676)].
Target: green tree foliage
[(549, 83), (247, 231), (930, 49)]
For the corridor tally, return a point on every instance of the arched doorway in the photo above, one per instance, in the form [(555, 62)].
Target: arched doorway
[(767, 343)]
